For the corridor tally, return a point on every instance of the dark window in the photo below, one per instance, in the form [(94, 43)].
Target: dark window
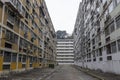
[(7, 66), (108, 48), (107, 39), (118, 45), (20, 58), (9, 25), (94, 59), (23, 65), (101, 59), (100, 52), (30, 65), (109, 57), (24, 59), (7, 45), (7, 57)]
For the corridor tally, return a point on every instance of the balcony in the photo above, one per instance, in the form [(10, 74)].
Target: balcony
[(15, 5)]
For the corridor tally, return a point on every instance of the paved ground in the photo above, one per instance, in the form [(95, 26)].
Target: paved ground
[(100, 74), (67, 72), (35, 74)]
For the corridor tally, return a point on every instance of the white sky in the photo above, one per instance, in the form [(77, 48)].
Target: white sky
[(63, 13)]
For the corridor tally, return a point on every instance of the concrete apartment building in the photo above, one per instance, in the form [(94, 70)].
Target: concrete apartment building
[(97, 35), (65, 51), (27, 36)]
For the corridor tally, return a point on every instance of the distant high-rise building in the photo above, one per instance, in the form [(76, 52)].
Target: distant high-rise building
[(65, 51)]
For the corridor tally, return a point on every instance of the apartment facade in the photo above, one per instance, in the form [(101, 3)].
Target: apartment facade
[(27, 35), (97, 35), (65, 51)]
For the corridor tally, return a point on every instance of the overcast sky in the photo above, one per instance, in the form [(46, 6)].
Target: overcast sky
[(63, 13)]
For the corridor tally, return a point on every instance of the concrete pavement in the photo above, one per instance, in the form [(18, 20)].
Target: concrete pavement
[(67, 72)]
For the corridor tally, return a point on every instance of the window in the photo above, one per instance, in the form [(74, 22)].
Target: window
[(24, 59), (23, 11), (94, 59), (112, 27), (23, 65), (7, 66), (108, 48), (11, 16), (93, 41), (111, 7), (14, 57), (113, 47), (118, 45), (17, 21), (9, 36), (9, 25), (100, 52), (15, 39), (118, 22), (19, 6), (109, 57), (7, 45), (26, 15), (7, 57), (101, 59), (118, 1), (20, 58), (107, 32)]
